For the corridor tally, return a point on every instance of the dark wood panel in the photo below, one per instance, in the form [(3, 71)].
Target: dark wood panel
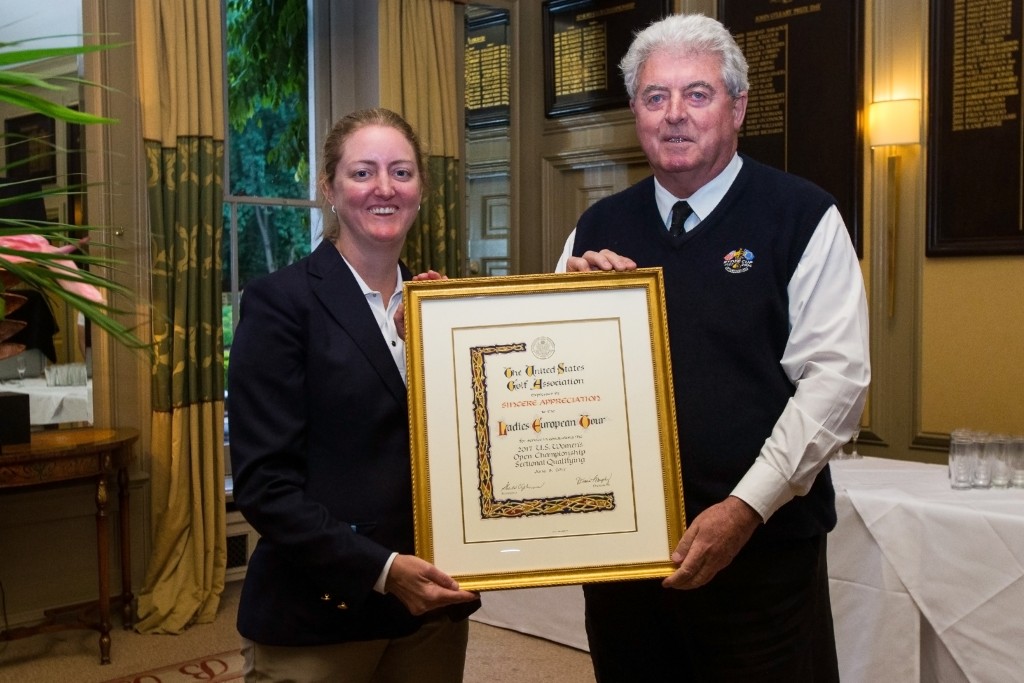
[(806, 74)]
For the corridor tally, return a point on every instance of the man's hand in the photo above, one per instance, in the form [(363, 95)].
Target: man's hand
[(421, 586), (599, 260), (400, 313), (711, 542)]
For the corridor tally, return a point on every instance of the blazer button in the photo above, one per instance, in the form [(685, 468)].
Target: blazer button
[(326, 597), (342, 605)]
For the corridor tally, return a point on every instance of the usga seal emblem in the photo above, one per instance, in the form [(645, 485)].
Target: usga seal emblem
[(739, 261), (542, 348)]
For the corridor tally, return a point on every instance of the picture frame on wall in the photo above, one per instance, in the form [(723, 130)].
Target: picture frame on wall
[(30, 148), (584, 40), (487, 70), (974, 122)]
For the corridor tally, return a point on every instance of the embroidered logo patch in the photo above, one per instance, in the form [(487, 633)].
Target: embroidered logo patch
[(739, 261)]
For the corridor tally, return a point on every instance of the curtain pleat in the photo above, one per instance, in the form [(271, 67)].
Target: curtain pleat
[(179, 49), (418, 82)]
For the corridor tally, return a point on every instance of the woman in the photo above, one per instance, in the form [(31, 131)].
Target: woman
[(320, 440)]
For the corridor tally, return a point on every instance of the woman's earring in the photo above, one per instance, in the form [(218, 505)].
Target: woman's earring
[(333, 210)]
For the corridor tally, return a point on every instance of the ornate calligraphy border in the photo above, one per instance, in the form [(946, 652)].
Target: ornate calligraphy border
[(490, 505)]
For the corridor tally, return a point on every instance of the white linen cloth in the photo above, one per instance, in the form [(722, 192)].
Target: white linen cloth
[(958, 554), (554, 613), (53, 405)]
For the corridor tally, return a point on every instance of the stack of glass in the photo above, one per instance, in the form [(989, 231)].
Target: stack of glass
[(979, 460)]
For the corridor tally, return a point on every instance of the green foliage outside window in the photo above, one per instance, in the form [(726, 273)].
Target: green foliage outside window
[(268, 114)]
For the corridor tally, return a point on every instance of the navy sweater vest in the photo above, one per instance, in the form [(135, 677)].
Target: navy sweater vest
[(726, 297)]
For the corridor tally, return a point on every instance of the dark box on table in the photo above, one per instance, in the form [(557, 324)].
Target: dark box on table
[(15, 427)]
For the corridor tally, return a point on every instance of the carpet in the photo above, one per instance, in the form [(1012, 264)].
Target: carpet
[(220, 668)]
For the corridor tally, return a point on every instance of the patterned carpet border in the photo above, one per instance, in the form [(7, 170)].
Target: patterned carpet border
[(225, 667)]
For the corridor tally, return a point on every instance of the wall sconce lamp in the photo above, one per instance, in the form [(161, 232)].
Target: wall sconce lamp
[(896, 122)]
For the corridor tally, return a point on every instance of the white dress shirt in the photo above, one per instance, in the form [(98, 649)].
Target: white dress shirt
[(826, 357)]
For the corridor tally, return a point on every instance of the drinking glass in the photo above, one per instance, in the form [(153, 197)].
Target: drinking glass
[(22, 368), (961, 460), (853, 445), (998, 455), (982, 478), (1016, 448)]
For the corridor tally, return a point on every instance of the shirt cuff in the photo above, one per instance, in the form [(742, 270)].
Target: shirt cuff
[(383, 578), (764, 489)]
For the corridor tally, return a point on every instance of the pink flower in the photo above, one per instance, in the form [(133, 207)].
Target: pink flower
[(39, 244)]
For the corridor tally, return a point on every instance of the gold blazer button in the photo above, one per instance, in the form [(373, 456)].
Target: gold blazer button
[(342, 605)]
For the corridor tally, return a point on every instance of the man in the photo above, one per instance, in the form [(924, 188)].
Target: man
[(768, 334)]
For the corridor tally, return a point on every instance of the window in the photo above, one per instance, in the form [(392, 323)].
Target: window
[(268, 209), (270, 217)]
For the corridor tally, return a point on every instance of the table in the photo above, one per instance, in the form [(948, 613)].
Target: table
[(53, 405), (67, 455), (927, 583)]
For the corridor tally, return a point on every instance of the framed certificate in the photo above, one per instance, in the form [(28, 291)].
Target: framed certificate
[(543, 428)]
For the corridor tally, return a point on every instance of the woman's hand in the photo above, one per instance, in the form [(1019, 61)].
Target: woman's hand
[(422, 587)]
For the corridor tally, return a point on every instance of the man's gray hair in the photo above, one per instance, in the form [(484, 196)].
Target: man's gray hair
[(687, 34)]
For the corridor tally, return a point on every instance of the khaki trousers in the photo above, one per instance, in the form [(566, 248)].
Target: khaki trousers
[(436, 653)]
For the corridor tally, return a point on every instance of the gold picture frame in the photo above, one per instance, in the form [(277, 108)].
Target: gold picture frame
[(543, 428)]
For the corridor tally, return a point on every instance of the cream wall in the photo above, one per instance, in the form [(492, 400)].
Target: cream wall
[(972, 348)]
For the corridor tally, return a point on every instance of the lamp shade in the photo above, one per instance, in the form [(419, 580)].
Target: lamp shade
[(896, 122)]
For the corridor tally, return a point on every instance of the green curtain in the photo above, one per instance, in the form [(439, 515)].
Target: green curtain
[(418, 82), (179, 51), (433, 242)]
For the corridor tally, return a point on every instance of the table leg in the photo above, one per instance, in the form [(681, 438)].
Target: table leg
[(127, 611), (103, 549)]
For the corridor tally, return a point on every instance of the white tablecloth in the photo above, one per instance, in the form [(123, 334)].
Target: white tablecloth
[(927, 583), (912, 549), (53, 405)]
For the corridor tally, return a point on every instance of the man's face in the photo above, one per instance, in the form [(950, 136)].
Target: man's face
[(686, 121)]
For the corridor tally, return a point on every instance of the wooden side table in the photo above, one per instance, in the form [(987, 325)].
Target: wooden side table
[(65, 455)]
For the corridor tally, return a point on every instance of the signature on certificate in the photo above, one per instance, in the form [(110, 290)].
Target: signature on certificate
[(520, 486), (596, 481)]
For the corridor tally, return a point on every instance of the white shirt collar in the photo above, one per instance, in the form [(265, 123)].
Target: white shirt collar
[(366, 289), (704, 200)]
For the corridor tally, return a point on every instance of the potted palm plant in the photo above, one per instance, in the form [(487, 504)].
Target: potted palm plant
[(38, 253)]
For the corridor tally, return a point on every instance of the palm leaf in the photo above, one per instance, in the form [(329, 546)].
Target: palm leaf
[(43, 271)]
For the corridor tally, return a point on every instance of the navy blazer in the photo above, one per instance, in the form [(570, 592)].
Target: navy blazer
[(320, 457)]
